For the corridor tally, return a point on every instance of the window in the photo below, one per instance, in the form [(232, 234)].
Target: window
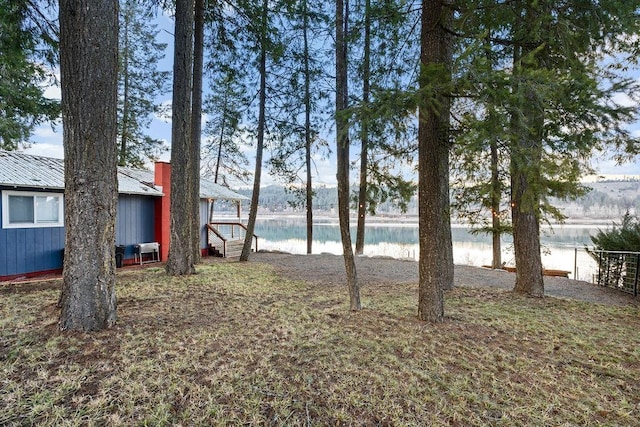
[(29, 210)]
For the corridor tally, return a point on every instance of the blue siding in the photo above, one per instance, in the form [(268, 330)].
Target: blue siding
[(204, 218), (30, 250), (27, 250), (135, 222)]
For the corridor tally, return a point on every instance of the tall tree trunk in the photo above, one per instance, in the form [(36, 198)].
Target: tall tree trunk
[(342, 152), (526, 154), (125, 93), (222, 125), (526, 228), (496, 184), (255, 197), (496, 193), (196, 122), (89, 70), (364, 135), (307, 128), (180, 260), (435, 266)]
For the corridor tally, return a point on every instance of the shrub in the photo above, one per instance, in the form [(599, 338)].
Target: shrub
[(624, 236)]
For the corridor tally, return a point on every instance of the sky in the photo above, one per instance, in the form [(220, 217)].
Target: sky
[(47, 140)]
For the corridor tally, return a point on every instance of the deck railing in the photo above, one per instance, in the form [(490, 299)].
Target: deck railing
[(618, 269), (228, 237)]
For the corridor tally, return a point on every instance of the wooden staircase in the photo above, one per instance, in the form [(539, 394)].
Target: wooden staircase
[(226, 239), (234, 248)]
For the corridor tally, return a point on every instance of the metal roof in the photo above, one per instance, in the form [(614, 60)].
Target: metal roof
[(211, 190), (22, 170), (19, 170), (142, 179), (208, 189), (131, 185)]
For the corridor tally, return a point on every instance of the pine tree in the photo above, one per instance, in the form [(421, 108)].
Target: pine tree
[(28, 46), (222, 155), (229, 96), (435, 266), (342, 150), (183, 231), (549, 79), (263, 43), (623, 236), (88, 68), (196, 124), (139, 84), (480, 166), (292, 160), (380, 118)]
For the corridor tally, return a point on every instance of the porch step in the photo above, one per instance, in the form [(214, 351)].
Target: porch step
[(234, 248)]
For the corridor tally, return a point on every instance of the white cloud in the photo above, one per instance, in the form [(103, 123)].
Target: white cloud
[(52, 89), (608, 166), (47, 132), (324, 171), (624, 100), (46, 150), (53, 92), (166, 155)]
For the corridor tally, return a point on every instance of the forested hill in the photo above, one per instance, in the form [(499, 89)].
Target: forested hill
[(606, 200)]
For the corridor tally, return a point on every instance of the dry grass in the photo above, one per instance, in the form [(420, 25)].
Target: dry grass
[(236, 344)]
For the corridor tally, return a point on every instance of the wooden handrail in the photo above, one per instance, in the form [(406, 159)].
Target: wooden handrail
[(212, 226), (216, 232)]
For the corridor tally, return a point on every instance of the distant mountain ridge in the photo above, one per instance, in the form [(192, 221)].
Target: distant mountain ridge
[(608, 199)]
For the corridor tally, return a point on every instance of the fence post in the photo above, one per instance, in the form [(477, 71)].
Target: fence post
[(575, 263), (635, 282), (606, 280)]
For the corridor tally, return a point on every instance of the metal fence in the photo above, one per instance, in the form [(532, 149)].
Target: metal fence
[(618, 270)]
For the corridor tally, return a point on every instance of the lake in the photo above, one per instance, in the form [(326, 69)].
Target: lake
[(563, 245)]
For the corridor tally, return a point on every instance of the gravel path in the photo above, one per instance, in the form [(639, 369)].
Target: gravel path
[(328, 269)]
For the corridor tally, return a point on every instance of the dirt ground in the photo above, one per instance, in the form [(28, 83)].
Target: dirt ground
[(328, 269)]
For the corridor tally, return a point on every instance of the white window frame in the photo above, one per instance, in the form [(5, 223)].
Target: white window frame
[(35, 224)]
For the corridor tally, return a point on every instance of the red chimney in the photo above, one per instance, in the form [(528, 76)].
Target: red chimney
[(163, 204)]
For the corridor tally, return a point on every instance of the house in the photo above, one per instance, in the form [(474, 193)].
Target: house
[(32, 213)]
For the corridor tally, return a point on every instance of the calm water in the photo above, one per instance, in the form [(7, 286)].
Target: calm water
[(400, 240)]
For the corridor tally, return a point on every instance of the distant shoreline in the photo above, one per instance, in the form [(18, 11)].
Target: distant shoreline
[(410, 219)]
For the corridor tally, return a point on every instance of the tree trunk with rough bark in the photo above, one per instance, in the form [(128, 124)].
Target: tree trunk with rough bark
[(307, 129), (181, 260), (526, 233), (526, 154), (435, 266), (342, 153), (496, 193), (364, 132), (255, 197), (125, 95), (196, 122), (89, 69)]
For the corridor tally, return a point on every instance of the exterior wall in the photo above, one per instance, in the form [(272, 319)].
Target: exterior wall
[(204, 219), (27, 250), (135, 222)]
